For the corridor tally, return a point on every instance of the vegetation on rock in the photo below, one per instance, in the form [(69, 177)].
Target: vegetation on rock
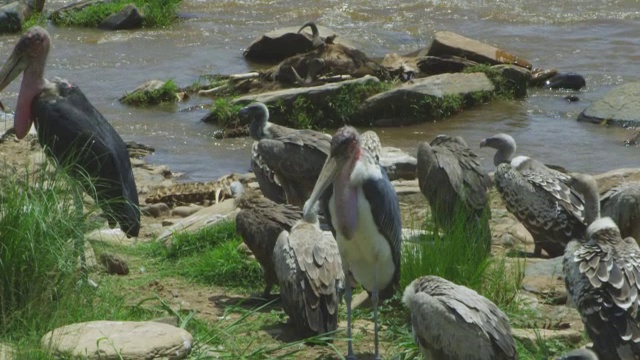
[(37, 18), (156, 13), (167, 93)]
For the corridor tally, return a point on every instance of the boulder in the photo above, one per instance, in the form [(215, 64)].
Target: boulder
[(7, 352), (398, 164), (446, 44), (544, 277), (282, 101), (131, 340), (614, 177), (620, 107), (634, 140), (126, 19), (516, 79), (114, 264), (398, 106), (280, 44), (11, 17)]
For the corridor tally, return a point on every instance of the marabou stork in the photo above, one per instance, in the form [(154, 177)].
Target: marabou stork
[(362, 208), (72, 131)]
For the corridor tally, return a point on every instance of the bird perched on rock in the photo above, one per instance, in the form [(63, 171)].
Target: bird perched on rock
[(455, 182), (622, 204), (602, 275), (361, 206), (453, 322), (259, 222), (309, 270), (538, 196), (72, 131)]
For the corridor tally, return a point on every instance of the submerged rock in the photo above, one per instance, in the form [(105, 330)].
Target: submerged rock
[(126, 19), (620, 107), (570, 81)]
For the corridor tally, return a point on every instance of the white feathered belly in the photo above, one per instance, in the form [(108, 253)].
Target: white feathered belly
[(359, 254)]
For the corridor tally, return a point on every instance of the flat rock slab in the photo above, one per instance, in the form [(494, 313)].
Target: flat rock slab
[(614, 177), (618, 107), (531, 337), (447, 43), (206, 217), (113, 236), (394, 103), (131, 340)]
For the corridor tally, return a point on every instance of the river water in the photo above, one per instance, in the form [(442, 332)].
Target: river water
[(596, 38)]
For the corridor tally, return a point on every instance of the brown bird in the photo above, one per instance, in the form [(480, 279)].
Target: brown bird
[(259, 223)]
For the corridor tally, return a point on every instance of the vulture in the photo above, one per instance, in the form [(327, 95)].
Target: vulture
[(538, 196), (309, 270), (455, 183), (259, 222), (453, 322), (622, 205), (602, 275)]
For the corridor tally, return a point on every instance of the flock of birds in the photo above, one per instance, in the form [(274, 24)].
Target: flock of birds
[(304, 174)]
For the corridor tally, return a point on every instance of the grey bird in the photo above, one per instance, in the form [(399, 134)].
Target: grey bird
[(453, 322), (538, 196), (259, 222), (292, 158), (622, 205), (455, 183), (361, 207), (72, 131), (309, 273), (602, 275), (579, 354)]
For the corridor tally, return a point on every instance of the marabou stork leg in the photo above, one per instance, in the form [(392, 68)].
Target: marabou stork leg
[(348, 292), (374, 300)]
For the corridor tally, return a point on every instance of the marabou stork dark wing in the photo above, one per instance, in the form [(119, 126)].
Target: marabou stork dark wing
[(76, 133), (385, 210)]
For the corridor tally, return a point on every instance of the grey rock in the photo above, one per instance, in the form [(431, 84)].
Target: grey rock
[(184, 211), (618, 107), (114, 264), (208, 216), (110, 236), (398, 164), (285, 99), (544, 277), (156, 210), (11, 17), (391, 108), (131, 340), (433, 65), (531, 337), (517, 79), (447, 44), (126, 19), (570, 81)]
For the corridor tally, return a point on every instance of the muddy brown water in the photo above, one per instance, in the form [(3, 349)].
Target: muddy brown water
[(596, 38)]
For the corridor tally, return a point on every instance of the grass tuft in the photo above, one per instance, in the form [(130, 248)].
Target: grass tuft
[(225, 113), (156, 13), (211, 256), (37, 18)]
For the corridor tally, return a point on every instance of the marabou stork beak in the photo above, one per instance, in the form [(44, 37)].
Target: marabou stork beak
[(14, 66), (327, 176)]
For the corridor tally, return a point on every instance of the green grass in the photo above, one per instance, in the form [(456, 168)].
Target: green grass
[(35, 19), (225, 113), (156, 13), (165, 94), (505, 90), (211, 256)]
